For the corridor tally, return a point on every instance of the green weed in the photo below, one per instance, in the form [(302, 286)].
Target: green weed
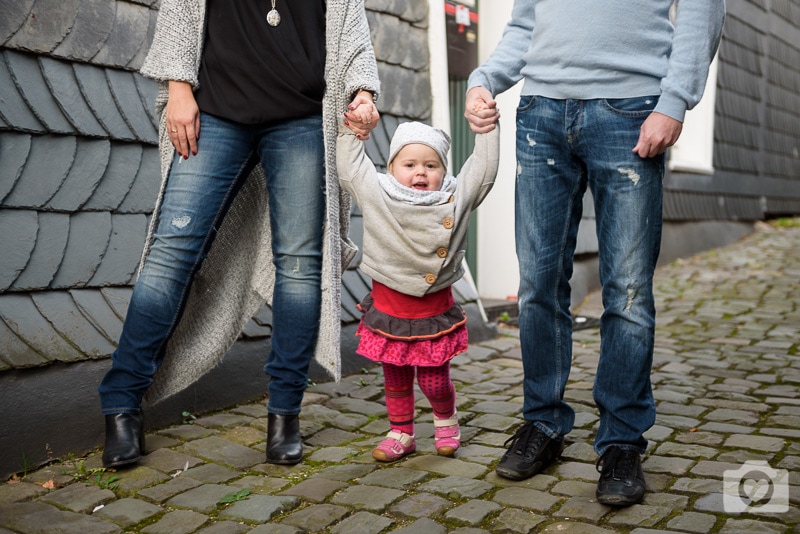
[(240, 495), (786, 222), (94, 475), (188, 418)]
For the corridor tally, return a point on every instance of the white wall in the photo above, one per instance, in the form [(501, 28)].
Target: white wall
[(694, 151), (437, 47), (498, 273)]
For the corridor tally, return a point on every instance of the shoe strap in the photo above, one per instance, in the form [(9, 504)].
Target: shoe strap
[(452, 432), (402, 437), (446, 422)]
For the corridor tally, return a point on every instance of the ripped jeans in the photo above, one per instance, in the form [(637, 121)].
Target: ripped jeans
[(197, 195), (563, 147)]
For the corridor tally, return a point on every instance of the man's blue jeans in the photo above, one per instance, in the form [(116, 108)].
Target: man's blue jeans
[(563, 146), (199, 191)]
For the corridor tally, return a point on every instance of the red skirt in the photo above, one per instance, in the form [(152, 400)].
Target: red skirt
[(404, 330)]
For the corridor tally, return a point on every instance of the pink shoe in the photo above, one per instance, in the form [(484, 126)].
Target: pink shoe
[(395, 446), (447, 435)]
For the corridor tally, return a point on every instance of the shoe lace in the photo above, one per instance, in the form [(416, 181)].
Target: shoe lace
[(617, 464), (526, 438)]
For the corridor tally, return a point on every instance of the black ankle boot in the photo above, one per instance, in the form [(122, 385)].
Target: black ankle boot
[(284, 445), (124, 439)]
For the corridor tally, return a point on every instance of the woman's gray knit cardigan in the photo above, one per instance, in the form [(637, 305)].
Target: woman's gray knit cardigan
[(238, 275)]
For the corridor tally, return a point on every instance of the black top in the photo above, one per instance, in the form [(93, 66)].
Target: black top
[(255, 73)]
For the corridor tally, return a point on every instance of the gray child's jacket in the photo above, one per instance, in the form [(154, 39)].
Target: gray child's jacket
[(410, 248)]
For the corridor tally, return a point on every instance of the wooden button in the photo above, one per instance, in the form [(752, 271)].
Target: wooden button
[(441, 252), (447, 222), (430, 278)]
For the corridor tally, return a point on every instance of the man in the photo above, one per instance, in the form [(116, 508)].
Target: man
[(606, 86)]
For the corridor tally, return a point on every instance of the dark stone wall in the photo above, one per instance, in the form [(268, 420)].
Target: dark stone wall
[(757, 121)]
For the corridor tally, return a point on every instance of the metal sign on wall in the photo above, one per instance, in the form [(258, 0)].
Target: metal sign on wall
[(462, 38)]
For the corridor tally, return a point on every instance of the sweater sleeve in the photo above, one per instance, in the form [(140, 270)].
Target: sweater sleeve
[(502, 69), (362, 72), (698, 29), (479, 172), (175, 51), (354, 44)]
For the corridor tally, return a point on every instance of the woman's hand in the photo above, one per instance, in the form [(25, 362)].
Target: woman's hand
[(362, 115), (183, 118), (480, 110)]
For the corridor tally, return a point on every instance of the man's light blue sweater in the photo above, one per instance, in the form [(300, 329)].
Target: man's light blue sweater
[(587, 49)]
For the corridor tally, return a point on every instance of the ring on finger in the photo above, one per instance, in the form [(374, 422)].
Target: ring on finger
[(173, 131)]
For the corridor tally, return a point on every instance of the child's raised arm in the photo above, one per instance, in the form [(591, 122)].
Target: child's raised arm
[(352, 164), (480, 170)]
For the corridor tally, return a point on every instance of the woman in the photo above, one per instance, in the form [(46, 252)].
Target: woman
[(265, 86)]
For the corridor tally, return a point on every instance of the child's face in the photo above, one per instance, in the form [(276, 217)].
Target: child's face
[(418, 166)]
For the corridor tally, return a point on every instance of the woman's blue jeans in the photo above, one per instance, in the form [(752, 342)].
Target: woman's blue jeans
[(563, 146), (199, 191)]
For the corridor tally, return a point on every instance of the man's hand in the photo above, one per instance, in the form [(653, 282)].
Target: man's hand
[(657, 134), (362, 115), (480, 110)]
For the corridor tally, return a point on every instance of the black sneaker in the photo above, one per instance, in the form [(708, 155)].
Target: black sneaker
[(621, 479), (531, 451)]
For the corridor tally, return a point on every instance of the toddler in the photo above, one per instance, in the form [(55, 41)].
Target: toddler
[(415, 228)]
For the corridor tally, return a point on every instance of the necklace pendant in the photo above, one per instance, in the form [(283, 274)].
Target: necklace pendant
[(273, 17)]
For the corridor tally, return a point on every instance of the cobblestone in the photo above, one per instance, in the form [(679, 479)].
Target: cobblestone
[(128, 512), (315, 489), (79, 497), (421, 505), (693, 522), (258, 508), (472, 512), (726, 384)]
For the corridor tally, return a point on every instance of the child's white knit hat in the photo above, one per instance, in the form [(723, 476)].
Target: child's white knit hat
[(416, 132)]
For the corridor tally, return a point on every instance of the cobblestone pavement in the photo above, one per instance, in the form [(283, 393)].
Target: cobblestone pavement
[(726, 379)]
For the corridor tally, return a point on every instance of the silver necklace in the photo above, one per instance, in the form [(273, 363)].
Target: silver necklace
[(273, 17)]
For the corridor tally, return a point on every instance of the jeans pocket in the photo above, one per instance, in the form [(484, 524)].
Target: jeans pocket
[(638, 106), (526, 102)]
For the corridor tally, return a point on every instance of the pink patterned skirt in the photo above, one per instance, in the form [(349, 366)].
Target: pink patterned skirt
[(412, 339)]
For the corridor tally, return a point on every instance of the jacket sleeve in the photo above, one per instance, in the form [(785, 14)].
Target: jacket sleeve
[(355, 169), (479, 172), (698, 29), (502, 69), (175, 51)]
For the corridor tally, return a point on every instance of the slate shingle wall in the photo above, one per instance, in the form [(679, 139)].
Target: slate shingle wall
[(79, 165), (78, 174), (757, 124)]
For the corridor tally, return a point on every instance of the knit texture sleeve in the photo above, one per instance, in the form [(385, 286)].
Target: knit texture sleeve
[(177, 42), (502, 69), (698, 29), (349, 64), (354, 57)]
